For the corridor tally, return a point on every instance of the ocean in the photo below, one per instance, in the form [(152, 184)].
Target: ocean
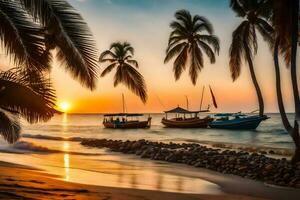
[(42, 146)]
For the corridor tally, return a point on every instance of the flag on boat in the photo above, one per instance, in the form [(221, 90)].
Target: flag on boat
[(213, 98)]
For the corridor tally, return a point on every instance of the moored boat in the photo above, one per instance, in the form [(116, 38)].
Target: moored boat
[(236, 121), (125, 121), (185, 119)]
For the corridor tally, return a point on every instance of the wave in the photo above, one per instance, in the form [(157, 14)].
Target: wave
[(47, 137), (23, 147), (267, 148)]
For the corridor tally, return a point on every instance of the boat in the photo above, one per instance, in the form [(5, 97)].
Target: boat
[(236, 121), (185, 119), (125, 120)]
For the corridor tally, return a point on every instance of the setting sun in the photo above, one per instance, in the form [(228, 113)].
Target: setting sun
[(64, 106)]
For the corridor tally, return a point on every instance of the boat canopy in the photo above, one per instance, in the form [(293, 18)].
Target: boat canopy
[(184, 111), (123, 115)]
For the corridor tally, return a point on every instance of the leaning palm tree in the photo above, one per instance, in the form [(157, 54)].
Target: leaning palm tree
[(286, 30), (31, 32), (119, 56), (244, 39), (189, 37), (23, 95)]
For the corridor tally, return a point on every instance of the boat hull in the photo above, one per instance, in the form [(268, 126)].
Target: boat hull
[(249, 123), (128, 124), (189, 123)]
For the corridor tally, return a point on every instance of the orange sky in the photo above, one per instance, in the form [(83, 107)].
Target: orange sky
[(146, 27)]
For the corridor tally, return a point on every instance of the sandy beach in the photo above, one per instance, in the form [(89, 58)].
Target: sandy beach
[(21, 182)]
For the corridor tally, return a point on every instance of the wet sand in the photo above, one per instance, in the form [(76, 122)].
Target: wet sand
[(20, 182)]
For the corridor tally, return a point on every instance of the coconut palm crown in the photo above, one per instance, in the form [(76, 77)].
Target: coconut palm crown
[(31, 31), (119, 56), (27, 95), (189, 37), (244, 38)]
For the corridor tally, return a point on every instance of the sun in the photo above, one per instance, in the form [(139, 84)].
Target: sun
[(64, 106)]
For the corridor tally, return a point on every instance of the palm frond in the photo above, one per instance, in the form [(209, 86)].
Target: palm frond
[(10, 128), (209, 52), (128, 57), (266, 31), (185, 17), (196, 63), (201, 23), (22, 39), (128, 48), (133, 62), (177, 32), (129, 76), (211, 40), (70, 35), (29, 95), (180, 62), (252, 38), (236, 51), (173, 51), (238, 8), (175, 39), (107, 53), (178, 26), (108, 69)]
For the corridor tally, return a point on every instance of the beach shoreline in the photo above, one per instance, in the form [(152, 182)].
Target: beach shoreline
[(22, 182), (249, 165)]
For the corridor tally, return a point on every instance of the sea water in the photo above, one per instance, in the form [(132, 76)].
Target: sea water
[(42, 146)]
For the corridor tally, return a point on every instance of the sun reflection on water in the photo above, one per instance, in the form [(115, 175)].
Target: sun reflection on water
[(66, 147), (65, 121), (67, 166)]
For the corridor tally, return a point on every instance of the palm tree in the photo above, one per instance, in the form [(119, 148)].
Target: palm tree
[(30, 31), (27, 95), (189, 37), (244, 39), (119, 56), (286, 26)]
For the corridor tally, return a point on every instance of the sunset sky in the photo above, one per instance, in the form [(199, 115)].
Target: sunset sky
[(145, 24)]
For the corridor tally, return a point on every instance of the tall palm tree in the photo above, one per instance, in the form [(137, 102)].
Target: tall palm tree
[(244, 39), (119, 56), (286, 26), (25, 95), (189, 37), (30, 31)]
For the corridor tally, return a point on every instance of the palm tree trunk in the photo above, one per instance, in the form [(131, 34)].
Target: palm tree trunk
[(294, 43), (283, 115), (254, 80), (293, 131)]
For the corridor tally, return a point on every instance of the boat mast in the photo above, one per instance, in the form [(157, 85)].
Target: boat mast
[(187, 102), (123, 103), (202, 97)]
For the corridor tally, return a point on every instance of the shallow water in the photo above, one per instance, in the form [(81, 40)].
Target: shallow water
[(76, 163)]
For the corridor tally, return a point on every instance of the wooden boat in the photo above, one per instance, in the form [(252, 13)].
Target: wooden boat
[(125, 121), (181, 121), (237, 121)]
